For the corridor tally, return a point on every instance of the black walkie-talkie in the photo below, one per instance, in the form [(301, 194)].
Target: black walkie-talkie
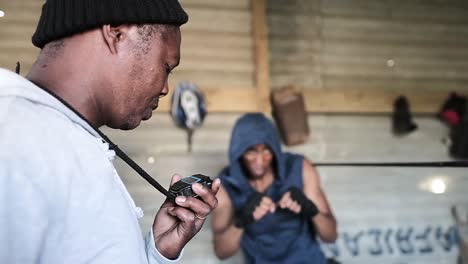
[(184, 186)]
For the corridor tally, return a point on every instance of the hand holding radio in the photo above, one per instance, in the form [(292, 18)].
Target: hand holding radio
[(184, 186), (183, 214)]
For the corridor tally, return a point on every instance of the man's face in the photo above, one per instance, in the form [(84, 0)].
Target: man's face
[(143, 77), (258, 160)]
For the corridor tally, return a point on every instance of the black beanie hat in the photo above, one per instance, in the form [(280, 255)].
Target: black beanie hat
[(63, 18)]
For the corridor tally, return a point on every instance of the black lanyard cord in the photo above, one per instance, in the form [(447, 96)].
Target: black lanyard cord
[(135, 166), (113, 147)]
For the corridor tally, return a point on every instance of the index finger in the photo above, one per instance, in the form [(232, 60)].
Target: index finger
[(216, 186), (207, 195)]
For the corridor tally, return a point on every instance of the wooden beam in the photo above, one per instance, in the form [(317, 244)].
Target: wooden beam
[(345, 100), (223, 99), (261, 54), (424, 101)]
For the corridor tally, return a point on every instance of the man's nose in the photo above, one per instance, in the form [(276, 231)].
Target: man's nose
[(165, 90), (258, 160)]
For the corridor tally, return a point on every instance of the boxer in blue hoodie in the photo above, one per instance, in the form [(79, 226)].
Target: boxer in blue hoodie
[(271, 203)]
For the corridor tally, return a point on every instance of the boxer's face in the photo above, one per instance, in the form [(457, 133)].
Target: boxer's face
[(144, 78), (258, 160)]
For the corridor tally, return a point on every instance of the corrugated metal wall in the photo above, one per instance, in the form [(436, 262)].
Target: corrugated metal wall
[(216, 45), (400, 44)]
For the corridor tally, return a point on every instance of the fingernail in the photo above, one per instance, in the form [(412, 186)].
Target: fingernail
[(181, 199)]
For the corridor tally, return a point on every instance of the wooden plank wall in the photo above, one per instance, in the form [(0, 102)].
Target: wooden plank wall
[(217, 49), (218, 54), (359, 55), (217, 44), (16, 29), (348, 56), (295, 43), (395, 44)]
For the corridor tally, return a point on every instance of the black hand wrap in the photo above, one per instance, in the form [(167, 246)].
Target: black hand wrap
[(308, 208), (244, 216)]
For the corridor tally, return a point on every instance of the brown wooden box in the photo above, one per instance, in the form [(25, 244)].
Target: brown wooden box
[(290, 115)]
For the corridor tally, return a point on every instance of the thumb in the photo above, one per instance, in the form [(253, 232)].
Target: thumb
[(272, 208), (175, 178), (169, 203)]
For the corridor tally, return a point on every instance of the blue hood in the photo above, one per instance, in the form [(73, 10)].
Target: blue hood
[(249, 130)]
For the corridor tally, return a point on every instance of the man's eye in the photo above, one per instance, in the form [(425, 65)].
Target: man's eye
[(168, 69)]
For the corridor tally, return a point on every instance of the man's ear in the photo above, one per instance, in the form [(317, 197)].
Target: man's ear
[(113, 36)]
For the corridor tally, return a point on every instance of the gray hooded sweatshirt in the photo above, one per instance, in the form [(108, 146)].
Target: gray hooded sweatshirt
[(61, 199)]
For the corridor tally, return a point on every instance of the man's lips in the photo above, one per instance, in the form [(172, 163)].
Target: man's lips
[(155, 104)]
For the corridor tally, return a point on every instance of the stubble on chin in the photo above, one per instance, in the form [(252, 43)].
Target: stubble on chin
[(128, 124)]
